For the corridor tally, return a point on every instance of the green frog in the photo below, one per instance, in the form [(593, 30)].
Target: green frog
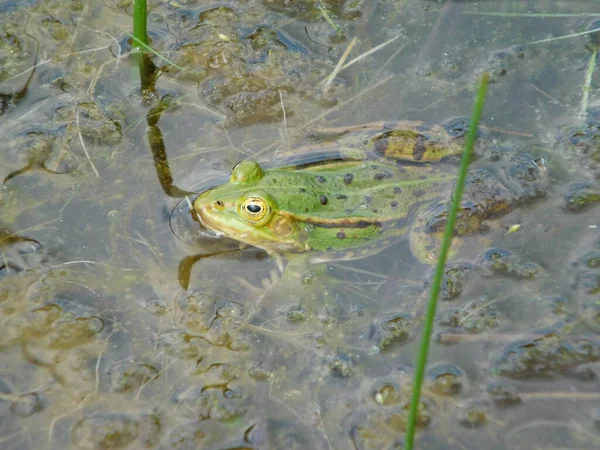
[(360, 194)]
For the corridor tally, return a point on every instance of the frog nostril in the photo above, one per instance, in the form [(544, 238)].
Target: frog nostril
[(219, 204)]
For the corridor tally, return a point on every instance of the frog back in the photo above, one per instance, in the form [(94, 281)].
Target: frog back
[(357, 205)]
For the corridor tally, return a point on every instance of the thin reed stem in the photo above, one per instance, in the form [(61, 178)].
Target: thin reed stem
[(439, 271)]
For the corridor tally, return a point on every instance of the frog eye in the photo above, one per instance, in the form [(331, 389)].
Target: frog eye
[(255, 209)]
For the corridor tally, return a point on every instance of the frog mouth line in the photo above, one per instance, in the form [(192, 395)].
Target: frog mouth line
[(246, 238), (206, 224)]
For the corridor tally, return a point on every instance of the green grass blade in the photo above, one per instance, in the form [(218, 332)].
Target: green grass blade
[(139, 23), (439, 271), (149, 49), (328, 19)]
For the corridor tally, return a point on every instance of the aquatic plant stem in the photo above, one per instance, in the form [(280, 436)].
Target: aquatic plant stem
[(439, 270), (566, 36), (139, 23), (140, 43)]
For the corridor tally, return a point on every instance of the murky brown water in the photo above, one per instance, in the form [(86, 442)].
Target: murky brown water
[(101, 346)]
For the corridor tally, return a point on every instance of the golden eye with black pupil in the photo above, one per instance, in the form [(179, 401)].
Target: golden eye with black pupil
[(255, 209)]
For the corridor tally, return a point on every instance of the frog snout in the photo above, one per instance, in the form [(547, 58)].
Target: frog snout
[(209, 211), (201, 209), (205, 209)]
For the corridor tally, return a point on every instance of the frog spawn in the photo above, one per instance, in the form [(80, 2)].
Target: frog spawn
[(59, 150), (583, 143), (18, 254), (488, 195), (311, 10), (109, 430), (584, 280), (546, 355), (381, 411), (245, 73), (58, 341)]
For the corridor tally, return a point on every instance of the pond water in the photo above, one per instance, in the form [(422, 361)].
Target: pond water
[(124, 324)]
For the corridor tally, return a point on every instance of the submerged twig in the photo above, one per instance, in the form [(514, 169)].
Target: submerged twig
[(545, 94), (360, 57), (74, 37), (24, 230), (285, 130), (387, 61), (541, 15), (189, 203), (6, 265), (35, 66), (57, 418), (340, 63), (588, 82), (568, 395), (329, 111), (567, 36), (16, 398), (10, 436), (87, 155), (510, 132), (147, 382), (369, 52)]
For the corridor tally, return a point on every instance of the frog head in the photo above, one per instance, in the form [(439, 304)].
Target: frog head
[(243, 210)]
